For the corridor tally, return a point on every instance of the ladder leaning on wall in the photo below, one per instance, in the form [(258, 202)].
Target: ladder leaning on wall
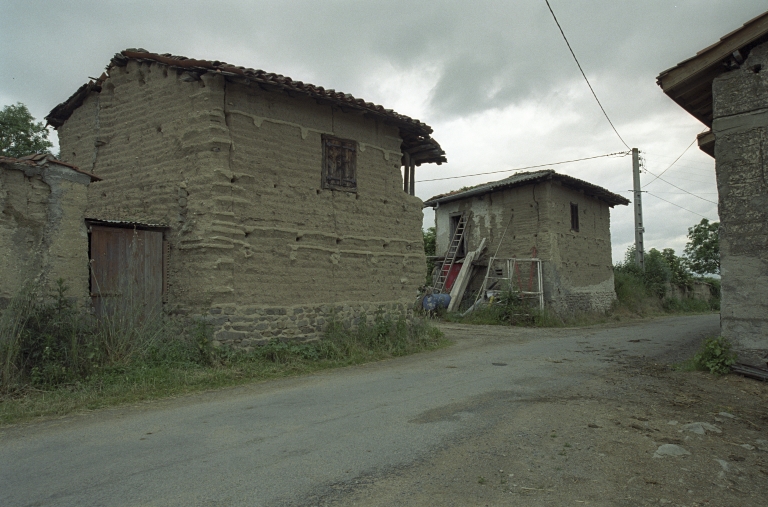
[(450, 257)]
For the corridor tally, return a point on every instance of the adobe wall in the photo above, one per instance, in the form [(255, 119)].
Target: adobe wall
[(740, 126), (235, 172), (580, 275), (42, 232), (577, 271)]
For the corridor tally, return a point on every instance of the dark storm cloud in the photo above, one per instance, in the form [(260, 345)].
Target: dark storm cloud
[(490, 53), (497, 81)]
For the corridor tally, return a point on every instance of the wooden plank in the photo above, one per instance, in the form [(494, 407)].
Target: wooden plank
[(460, 285), (126, 271)]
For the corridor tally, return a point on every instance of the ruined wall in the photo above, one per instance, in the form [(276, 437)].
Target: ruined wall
[(42, 232), (515, 209), (740, 126), (576, 266), (235, 172)]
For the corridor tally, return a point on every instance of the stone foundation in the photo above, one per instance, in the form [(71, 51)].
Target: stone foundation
[(242, 326)]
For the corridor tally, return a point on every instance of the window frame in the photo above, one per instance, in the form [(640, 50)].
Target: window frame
[(348, 148), (575, 217)]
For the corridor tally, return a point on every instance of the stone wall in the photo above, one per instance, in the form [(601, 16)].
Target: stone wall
[(740, 126), (577, 268), (42, 231), (235, 173)]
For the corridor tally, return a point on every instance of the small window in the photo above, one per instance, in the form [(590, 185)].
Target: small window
[(339, 164), (574, 217)]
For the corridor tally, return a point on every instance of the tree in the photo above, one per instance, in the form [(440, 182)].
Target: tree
[(19, 134), (429, 250), (702, 253)]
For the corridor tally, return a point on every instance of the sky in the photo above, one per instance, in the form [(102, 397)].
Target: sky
[(494, 79)]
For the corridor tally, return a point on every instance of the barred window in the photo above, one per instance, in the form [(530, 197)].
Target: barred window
[(339, 164)]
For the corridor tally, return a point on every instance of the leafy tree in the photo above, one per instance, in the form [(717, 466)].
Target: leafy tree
[(702, 253), (429, 250), (19, 134)]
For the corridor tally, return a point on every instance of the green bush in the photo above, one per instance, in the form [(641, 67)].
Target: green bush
[(715, 355)]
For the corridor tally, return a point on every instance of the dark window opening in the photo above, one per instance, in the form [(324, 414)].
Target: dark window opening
[(574, 217), (339, 164)]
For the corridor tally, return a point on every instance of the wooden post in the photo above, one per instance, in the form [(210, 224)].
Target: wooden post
[(413, 179), (639, 230), (406, 172)]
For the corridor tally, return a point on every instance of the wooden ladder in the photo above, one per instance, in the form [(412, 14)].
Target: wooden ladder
[(450, 256)]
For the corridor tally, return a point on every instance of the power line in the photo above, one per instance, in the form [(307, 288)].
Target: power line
[(673, 204), (679, 188), (621, 153), (583, 74), (672, 193), (673, 163), (687, 179)]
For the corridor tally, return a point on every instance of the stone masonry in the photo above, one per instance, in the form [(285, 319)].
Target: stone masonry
[(740, 125)]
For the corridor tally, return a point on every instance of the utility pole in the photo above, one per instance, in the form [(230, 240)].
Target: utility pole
[(639, 250)]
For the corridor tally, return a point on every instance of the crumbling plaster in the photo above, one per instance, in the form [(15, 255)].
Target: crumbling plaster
[(740, 125), (576, 266), (42, 231), (235, 173)]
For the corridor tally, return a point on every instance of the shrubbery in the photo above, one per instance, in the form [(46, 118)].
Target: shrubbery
[(645, 291), (715, 355), (49, 342)]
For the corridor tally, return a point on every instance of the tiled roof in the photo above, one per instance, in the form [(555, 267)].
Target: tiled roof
[(689, 83), (41, 159), (520, 179), (415, 134)]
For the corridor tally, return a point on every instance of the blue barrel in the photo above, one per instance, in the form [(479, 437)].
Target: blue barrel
[(433, 301)]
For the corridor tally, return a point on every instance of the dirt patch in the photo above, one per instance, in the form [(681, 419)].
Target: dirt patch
[(627, 437)]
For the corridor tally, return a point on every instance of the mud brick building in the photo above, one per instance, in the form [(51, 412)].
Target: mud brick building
[(725, 86), (42, 229), (562, 220), (276, 204)]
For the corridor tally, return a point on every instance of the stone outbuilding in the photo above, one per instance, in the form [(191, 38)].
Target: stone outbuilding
[(43, 236), (559, 219), (266, 204), (725, 86)]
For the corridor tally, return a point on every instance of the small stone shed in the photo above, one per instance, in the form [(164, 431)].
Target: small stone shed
[(563, 221), (275, 204), (42, 228), (725, 86)]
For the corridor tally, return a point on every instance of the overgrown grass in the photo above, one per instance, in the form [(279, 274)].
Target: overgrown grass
[(637, 296), (56, 360)]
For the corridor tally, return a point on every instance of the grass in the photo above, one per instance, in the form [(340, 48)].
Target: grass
[(56, 360), (635, 299)]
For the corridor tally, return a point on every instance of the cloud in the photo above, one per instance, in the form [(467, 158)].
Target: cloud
[(494, 79)]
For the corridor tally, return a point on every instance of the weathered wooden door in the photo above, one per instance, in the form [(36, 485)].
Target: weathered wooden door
[(126, 271)]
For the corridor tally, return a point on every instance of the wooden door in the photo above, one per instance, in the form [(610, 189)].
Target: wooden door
[(126, 271)]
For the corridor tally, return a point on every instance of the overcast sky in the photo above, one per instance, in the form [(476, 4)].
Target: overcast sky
[(493, 78)]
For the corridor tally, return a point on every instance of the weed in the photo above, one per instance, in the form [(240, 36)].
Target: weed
[(715, 355), (56, 359), (481, 479)]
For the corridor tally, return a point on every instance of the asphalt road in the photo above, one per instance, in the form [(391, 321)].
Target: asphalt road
[(294, 441)]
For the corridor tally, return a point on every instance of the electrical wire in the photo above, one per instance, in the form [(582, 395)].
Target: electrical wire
[(615, 154), (679, 188), (673, 204), (583, 74), (673, 163)]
